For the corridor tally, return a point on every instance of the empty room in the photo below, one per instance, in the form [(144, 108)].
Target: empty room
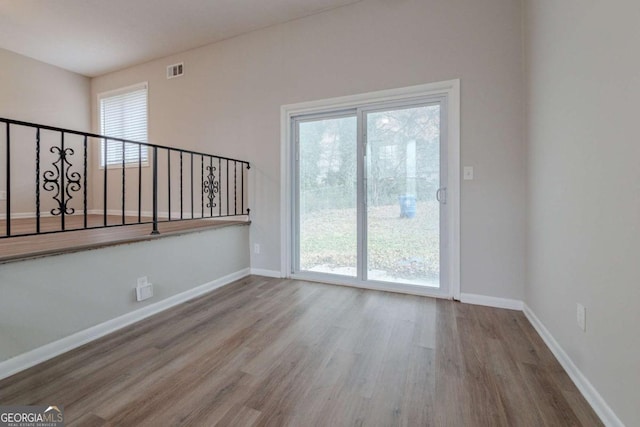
[(319, 213)]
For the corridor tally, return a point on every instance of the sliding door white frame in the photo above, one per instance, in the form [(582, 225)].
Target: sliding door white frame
[(295, 174), (450, 90)]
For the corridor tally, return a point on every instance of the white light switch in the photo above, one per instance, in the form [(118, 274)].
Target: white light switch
[(468, 173)]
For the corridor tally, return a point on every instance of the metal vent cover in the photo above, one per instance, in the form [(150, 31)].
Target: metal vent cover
[(175, 70)]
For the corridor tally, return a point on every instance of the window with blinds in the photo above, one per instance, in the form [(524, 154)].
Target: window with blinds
[(123, 114)]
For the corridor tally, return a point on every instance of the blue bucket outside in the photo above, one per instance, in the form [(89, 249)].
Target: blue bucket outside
[(407, 206)]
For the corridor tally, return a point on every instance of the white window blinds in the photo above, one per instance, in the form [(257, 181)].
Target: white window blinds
[(123, 114)]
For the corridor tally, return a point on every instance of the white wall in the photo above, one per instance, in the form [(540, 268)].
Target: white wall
[(36, 92), (229, 99), (47, 299), (584, 187), (33, 91)]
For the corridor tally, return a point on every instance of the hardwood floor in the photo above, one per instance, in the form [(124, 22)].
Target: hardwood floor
[(280, 352), (25, 247)]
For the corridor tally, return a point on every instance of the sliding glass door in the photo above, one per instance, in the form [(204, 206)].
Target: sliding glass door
[(403, 181), (370, 196), (327, 195)]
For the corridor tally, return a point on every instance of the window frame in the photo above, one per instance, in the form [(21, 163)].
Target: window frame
[(115, 92)]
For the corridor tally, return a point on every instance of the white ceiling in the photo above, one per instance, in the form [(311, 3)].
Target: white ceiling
[(93, 37)]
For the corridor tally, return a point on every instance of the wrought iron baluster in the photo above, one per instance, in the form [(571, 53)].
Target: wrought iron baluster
[(124, 165), (105, 162), (181, 207), (140, 183), (192, 213), (202, 180), (210, 186), (219, 179), (248, 168), (227, 187), (242, 187), (211, 196), (62, 181), (62, 202), (169, 182), (8, 181), (155, 191), (235, 185), (37, 180), (84, 176)]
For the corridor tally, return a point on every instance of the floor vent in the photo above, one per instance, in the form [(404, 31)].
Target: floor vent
[(175, 70)]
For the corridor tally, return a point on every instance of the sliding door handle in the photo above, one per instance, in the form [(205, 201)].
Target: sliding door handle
[(441, 195)]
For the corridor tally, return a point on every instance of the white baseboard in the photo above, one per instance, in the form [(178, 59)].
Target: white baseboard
[(51, 350), (511, 304), (23, 215), (604, 411), (266, 273)]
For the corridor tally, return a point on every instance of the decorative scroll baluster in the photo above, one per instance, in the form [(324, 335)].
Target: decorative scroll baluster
[(210, 186), (62, 181)]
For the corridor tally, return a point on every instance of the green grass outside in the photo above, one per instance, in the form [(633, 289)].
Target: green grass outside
[(403, 247)]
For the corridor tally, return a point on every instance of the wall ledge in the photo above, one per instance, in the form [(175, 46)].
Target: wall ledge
[(21, 248)]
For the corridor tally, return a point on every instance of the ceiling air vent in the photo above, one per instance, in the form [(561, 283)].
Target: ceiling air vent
[(175, 70)]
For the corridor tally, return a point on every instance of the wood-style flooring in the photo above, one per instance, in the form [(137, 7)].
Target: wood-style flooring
[(288, 353), (25, 247)]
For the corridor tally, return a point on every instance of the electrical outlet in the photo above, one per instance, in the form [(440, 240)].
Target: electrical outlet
[(581, 317), (3, 195), (144, 289), (256, 248)]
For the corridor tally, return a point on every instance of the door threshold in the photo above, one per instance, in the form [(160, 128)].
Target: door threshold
[(399, 288)]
